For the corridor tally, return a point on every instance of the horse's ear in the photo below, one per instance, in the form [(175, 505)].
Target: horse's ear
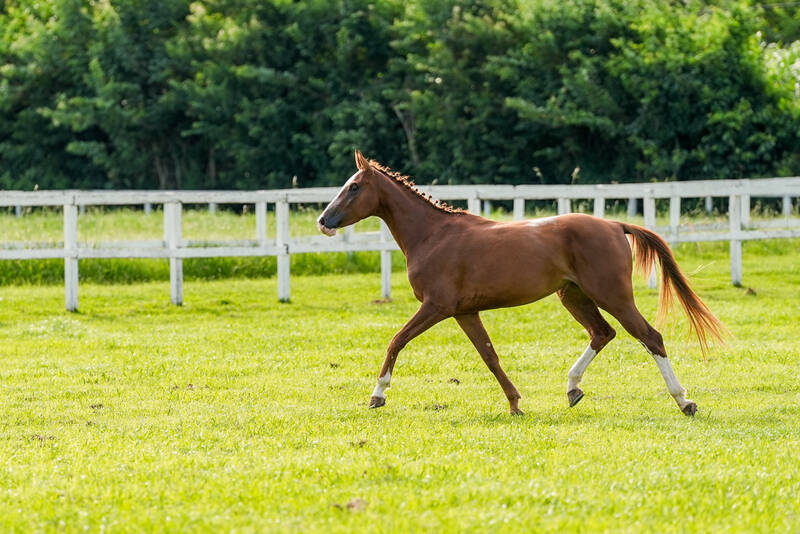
[(361, 161)]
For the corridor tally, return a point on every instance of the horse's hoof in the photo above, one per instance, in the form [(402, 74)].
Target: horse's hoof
[(690, 409), (377, 402), (517, 411), (574, 396)]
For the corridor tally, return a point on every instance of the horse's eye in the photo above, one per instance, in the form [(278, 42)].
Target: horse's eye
[(353, 188)]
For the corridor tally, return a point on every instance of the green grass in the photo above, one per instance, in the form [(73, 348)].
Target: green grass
[(237, 413)]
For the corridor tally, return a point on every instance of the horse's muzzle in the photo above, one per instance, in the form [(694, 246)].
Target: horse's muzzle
[(330, 232)]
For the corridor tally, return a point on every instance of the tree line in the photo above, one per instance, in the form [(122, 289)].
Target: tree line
[(235, 94)]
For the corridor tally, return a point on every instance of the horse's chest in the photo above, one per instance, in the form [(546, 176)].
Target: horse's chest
[(418, 279), (432, 278)]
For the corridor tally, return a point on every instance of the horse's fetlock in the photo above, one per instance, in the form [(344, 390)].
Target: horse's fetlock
[(385, 379)]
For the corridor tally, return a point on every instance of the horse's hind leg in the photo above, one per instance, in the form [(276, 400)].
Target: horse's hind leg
[(584, 310), (608, 284), (472, 326), (638, 327)]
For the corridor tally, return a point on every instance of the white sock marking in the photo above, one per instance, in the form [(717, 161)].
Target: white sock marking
[(382, 385), (675, 389), (576, 371)]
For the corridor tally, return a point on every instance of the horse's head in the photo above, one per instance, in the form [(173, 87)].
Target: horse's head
[(356, 200)]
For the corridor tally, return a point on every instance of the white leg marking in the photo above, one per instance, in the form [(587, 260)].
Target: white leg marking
[(675, 389), (576, 371), (382, 385)]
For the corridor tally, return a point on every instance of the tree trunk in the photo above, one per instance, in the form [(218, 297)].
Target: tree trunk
[(212, 169), (161, 171), (406, 118)]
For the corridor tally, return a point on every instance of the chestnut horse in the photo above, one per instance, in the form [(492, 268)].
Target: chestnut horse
[(460, 264)]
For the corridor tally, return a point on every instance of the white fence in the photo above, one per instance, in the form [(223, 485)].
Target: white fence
[(175, 248)]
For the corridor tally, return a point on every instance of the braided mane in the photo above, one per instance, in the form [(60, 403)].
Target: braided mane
[(408, 183)]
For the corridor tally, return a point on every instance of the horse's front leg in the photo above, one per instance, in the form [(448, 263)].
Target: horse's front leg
[(472, 326), (426, 317)]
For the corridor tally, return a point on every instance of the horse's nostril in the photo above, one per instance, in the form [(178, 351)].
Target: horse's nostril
[(321, 221)]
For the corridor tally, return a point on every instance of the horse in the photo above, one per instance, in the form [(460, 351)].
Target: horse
[(460, 264)]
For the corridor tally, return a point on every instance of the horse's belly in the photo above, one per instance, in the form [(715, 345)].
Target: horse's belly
[(491, 270), (499, 297), (512, 284)]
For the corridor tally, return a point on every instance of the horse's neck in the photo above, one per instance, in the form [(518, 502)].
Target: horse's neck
[(411, 219)]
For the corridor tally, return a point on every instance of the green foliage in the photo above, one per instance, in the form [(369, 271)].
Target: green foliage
[(673, 94), (42, 59), (263, 94), (782, 21)]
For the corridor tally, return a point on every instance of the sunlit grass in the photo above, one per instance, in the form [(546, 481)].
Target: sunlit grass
[(237, 413)]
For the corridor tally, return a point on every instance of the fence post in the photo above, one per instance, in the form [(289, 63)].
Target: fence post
[(487, 208), (212, 207), (735, 220), (599, 207), (745, 212), (787, 206), (674, 216), (386, 263), (564, 206), (649, 208), (709, 205), (148, 208), (71, 257), (633, 209), (261, 223), (18, 211), (173, 236), (519, 209), (282, 242), (474, 205), (347, 237)]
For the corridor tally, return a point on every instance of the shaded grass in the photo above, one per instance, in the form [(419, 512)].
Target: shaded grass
[(235, 412)]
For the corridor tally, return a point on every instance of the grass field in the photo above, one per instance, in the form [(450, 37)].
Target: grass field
[(237, 413)]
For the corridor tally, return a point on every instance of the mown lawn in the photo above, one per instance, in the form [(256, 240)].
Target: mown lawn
[(237, 413)]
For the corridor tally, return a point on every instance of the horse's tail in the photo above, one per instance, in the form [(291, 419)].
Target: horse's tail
[(649, 247)]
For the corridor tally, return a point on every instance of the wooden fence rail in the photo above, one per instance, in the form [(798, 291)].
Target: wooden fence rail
[(738, 192)]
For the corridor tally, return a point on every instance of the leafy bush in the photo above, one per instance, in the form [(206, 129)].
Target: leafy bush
[(262, 94)]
